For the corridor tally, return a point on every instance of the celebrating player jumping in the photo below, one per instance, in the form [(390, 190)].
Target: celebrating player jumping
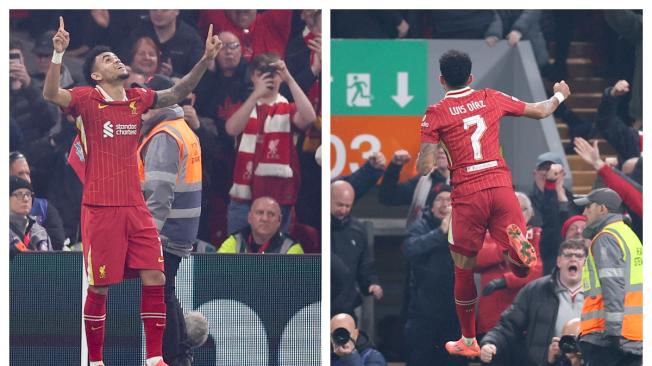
[(119, 235), (466, 123)]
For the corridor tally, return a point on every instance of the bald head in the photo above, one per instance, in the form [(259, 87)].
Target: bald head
[(571, 327), (342, 197), (628, 166), (344, 321)]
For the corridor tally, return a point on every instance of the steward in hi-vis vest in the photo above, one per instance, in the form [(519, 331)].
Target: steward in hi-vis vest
[(612, 281)]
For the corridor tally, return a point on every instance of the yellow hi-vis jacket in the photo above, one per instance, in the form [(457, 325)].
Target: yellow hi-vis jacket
[(594, 316)]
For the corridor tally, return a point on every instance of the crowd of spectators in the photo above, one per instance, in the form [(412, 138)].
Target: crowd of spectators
[(521, 321), (169, 43)]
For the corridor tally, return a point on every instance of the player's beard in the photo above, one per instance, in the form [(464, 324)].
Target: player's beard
[(123, 77)]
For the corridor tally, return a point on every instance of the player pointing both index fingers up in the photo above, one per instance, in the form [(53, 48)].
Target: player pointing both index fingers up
[(466, 123), (119, 235)]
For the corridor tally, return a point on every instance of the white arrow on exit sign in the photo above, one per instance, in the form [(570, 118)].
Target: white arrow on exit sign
[(402, 98)]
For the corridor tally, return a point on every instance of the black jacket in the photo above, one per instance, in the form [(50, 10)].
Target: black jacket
[(351, 264), (431, 277), (364, 355), (393, 193), (624, 139), (532, 314)]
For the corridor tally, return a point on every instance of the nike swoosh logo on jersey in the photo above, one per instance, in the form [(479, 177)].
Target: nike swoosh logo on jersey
[(160, 325), (160, 260), (102, 106), (96, 328)]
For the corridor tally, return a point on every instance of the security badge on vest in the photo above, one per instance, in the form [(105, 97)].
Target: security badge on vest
[(594, 317)]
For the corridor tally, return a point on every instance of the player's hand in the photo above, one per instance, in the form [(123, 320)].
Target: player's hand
[(563, 88), (513, 37), (376, 291), (553, 350), (588, 153), (345, 349), (282, 70), (553, 173), (487, 352), (213, 45), (491, 41), (621, 87), (401, 157), (166, 67), (61, 39), (377, 160)]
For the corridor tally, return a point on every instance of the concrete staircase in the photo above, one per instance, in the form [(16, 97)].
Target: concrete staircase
[(587, 91)]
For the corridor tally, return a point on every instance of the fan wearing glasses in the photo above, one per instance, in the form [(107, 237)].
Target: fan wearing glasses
[(24, 233)]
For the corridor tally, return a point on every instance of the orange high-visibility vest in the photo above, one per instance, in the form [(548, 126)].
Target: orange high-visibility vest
[(190, 173), (593, 313)]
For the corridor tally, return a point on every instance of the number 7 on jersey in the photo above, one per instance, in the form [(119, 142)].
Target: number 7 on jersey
[(477, 134)]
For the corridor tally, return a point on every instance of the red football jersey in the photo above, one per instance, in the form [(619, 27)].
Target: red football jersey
[(109, 132), (467, 121)]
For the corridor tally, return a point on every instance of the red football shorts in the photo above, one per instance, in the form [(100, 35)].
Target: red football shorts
[(118, 241), (492, 209)]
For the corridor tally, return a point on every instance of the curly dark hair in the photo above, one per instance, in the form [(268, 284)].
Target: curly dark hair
[(455, 67), (89, 62)]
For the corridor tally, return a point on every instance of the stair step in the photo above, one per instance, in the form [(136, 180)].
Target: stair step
[(576, 163), (588, 84), (562, 128), (584, 177), (604, 147), (584, 100), (576, 49), (587, 114), (582, 189)]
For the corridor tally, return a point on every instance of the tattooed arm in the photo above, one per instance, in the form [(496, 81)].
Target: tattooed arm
[(547, 107), (426, 158), (186, 85)]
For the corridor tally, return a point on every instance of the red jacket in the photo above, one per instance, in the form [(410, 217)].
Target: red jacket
[(269, 32), (491, 265), (631, 196)]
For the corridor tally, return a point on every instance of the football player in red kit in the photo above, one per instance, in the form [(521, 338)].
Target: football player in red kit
[(466, 123), (119, 235)]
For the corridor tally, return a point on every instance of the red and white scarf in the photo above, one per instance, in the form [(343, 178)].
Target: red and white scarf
[(274, 156)]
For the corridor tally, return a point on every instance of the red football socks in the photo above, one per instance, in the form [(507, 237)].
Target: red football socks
[(465, 298), (94, 318), (152, 311)]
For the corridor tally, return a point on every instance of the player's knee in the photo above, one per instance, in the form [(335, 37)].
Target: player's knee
[(100, 290), (152, 278)]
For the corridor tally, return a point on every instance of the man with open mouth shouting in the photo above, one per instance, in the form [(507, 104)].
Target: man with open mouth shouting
[(540, 310)]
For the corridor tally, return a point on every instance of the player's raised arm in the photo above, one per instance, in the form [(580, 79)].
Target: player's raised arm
[(426, 158), (51, 90), (186, 85), (547, 107)]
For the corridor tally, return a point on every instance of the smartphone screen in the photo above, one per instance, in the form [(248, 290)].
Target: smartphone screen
[(14, 57)]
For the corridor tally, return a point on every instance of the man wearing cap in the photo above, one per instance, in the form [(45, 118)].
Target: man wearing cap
[(43, 51), (552, 204), (169, 164), (612, 281)]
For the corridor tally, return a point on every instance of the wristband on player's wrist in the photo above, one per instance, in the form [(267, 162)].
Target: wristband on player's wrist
[(57, 57), (559, 96)]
